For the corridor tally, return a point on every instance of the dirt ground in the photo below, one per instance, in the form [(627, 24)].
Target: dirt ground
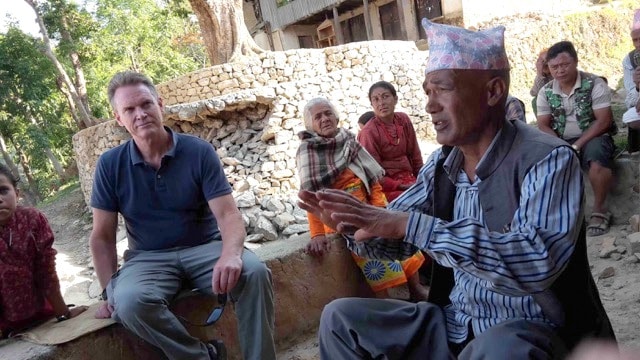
[(619, 288)]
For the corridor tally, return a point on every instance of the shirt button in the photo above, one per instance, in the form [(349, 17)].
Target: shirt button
[(159, 176)]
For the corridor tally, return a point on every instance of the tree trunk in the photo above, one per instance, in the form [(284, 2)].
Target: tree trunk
[(72, 105), (47, 149), (223, 30), (83, 113), (132, 59), (57, 166), (7, 158), (32, 192), (81, 82)]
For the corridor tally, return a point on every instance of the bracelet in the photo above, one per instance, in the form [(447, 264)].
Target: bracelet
[(65, 316), (575, 147)]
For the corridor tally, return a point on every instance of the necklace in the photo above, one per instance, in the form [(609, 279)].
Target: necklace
[(393, 140)]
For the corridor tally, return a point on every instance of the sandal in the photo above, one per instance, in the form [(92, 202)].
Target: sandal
[(599, 228)]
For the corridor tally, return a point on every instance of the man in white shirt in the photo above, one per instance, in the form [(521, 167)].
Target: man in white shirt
[(631, 71), (576, 106)]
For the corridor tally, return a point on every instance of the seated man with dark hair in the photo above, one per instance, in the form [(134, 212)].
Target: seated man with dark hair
[(576, 106)]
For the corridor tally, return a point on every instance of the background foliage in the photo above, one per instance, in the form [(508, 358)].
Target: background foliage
[(158, 37)]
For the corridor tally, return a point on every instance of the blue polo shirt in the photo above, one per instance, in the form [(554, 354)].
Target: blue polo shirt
[(162, 208)]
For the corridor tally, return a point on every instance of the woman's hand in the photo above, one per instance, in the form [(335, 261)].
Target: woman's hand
[(318, 246)]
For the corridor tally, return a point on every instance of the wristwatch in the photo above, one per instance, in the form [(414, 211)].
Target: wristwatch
[(103, 295), (575, 147)]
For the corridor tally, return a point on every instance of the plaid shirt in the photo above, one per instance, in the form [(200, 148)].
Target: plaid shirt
[(321, 160)]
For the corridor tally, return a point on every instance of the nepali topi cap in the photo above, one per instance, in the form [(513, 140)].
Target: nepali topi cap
[(636, 21), (452, 47)]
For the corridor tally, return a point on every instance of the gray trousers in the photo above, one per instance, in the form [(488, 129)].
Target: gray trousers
[(142, 289), (353, 328)]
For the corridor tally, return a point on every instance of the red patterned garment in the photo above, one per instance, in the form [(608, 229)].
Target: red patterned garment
[(27, 269), (395, 147)]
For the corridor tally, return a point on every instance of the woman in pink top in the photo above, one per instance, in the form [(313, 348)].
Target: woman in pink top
[(390, 138), (29, 286)]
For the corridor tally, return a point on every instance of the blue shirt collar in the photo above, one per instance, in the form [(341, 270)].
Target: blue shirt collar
[(136, 157)]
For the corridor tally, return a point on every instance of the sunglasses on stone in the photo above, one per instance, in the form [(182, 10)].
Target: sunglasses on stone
[(215, 314)]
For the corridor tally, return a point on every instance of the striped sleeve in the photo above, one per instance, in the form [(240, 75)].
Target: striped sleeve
[(417, 198), (540, 242)]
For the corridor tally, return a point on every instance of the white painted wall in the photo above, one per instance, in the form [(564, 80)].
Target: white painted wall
[(475, 11), (289, 39), (262, 40), (452, 7)]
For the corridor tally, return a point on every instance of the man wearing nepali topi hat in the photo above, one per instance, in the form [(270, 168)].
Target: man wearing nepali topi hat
[(498, 208)]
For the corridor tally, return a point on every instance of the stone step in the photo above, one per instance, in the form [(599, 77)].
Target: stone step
[(303, 285)]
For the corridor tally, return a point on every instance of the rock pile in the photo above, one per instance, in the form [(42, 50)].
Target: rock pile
[(627, 246), (255, 130)]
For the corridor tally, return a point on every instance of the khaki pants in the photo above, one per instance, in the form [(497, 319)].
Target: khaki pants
[(142, 289)]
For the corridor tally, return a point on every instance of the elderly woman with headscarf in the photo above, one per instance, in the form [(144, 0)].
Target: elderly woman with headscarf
[(330, 157)]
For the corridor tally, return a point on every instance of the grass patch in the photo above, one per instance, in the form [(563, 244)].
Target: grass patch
[(64, 190), (620, 141), (618, 110)]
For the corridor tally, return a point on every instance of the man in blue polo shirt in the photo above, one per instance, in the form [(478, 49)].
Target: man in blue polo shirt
[(183, 228)]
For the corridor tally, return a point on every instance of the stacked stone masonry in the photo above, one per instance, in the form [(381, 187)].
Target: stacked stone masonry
[(254, 129), (251, 111)]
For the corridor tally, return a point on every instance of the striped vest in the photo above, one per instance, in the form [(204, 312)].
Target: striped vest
[(582, 104)]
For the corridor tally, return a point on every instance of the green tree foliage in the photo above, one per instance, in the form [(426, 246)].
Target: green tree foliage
[(158, 37), (33, 115), (143, 35)]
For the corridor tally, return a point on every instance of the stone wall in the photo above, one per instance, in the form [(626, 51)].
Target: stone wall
[(255, 130), (252, 111), (600, 33), (270, 69)]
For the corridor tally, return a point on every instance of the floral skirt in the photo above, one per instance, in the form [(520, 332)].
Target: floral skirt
[(384, 274)]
